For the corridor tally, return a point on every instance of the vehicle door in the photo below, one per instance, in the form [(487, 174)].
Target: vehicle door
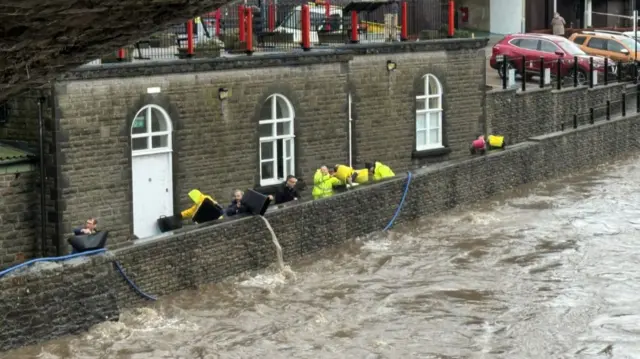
[(618, 52), (528, 49), (550, 52), (597, 47)]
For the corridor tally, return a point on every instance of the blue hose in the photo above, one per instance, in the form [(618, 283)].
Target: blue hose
[(50, 259), (404, 195), (133, 285)]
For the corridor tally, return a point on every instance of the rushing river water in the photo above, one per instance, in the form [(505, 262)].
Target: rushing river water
[(548, 271)]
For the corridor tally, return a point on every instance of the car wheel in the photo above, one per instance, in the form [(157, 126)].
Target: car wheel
[(583, 79), (501, 69)]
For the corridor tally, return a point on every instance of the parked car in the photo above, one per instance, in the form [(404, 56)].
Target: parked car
[(617, 47), (523, 52)]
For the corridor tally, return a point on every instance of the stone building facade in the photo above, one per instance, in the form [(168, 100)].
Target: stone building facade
[(125, 143)]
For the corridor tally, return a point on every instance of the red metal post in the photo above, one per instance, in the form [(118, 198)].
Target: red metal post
[(121, 55), (327, 15), (403, 20), (354, 27), (218, 18), (249, 34), (241, 23), (452, 12), (272, 17), (306, 28), (190, 38)]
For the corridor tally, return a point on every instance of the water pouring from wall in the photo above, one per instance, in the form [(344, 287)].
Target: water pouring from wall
[(284, 269)]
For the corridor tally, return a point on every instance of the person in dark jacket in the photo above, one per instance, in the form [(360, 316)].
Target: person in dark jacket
[(287, 191), (88, 228), (237, 205)]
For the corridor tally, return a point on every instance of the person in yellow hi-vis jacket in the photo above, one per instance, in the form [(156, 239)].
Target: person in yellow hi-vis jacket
[(348, 175), (379, 171), (323, 183), (197, 197)]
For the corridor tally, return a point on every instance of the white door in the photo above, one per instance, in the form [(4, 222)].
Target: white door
[(152, 192), (151, 170)]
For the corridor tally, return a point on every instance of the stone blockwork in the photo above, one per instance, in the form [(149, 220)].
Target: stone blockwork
[(80, 294), (19, 214), (215, 143), (22, 127), (210, 253), (41, 40), (520, 115)]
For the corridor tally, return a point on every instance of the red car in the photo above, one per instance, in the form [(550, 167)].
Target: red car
[(550, 47)]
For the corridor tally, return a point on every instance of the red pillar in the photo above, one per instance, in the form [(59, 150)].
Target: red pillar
[(403, 20), (218, 18), (306, 28), (327, 15), (121, 55), (452, 11), (190, 38), (272, 17), (354, 26), (241, 23), (249, 34)]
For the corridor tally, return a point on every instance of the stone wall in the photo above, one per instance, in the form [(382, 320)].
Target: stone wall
[(216, 143), (210, 253), (19, 213), (22, 127), (520, 115)]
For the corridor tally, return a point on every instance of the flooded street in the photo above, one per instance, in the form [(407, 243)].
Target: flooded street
[(548, 271)]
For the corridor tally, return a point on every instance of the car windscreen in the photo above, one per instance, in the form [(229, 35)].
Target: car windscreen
[(571, 48)]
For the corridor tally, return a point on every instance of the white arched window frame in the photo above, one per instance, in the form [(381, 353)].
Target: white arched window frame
[(276, 131), (151, 131), (429, 114)]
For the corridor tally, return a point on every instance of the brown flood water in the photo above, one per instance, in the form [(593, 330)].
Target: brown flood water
[(548, 271)]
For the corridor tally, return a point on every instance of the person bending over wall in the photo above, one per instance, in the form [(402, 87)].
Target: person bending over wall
[(348, 175), (492, 142), (211, 210), (379, 171)]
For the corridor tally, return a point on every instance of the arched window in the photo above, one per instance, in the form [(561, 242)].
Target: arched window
[(276, 140), (429, 114), (151, 131)]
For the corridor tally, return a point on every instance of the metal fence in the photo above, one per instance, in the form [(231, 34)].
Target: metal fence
[(628, 103), (525, 72), (278, 28)]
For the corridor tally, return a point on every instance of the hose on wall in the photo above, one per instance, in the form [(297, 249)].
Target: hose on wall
[(404, 196), (76, 255)]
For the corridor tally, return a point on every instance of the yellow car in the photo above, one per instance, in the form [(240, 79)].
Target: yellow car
[(614, 46)]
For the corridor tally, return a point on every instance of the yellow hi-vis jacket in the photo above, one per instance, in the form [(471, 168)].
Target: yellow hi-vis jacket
[(363, 176), (343, 173), (197, 197), (495, 141), (323, 185), (382, 171)]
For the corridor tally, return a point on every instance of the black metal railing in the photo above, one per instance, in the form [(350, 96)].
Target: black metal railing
[(604, 111), (559, 72)]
